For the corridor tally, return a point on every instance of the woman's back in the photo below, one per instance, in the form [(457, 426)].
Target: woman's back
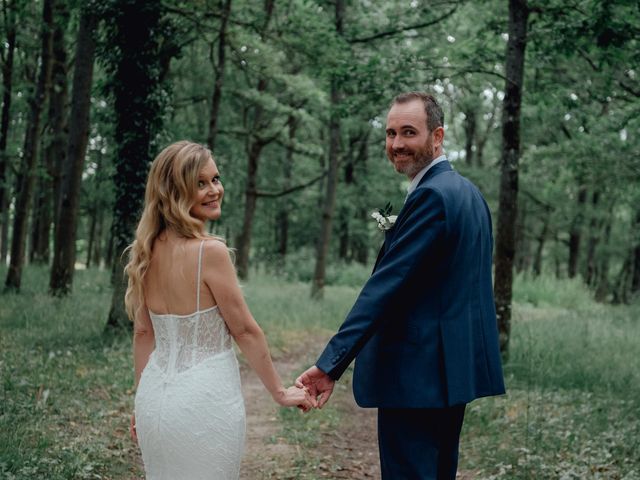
[(170, 283)]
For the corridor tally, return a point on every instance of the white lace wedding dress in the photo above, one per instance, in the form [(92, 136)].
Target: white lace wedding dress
[(190, 416)]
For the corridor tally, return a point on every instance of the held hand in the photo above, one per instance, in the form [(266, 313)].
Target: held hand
[(320, 384), (132, 428), (295, 397)]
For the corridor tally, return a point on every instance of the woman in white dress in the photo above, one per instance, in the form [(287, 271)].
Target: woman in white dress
[(186, 304)]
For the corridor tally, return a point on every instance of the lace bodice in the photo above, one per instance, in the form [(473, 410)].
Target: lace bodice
[(183, 341)]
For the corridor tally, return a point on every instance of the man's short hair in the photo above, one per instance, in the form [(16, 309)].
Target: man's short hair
[(435, 115)]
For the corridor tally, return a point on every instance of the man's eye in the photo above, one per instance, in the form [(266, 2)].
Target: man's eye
[(391, 134), (409, 132)]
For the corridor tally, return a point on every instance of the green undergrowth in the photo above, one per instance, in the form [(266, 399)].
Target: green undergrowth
[(571, 411)]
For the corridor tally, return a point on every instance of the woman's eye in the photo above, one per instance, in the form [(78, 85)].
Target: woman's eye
[(201, 184), (217, 180)]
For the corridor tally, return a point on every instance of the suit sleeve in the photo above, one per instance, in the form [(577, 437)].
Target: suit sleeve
[(421, 232)]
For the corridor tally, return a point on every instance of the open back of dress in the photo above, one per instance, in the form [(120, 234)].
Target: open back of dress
[(190, 416)]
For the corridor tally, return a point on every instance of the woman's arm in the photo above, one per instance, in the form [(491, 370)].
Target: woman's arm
[(220, 276), (143, 345), (143, 342)]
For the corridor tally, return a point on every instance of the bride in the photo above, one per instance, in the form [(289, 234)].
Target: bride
[(184, 299)]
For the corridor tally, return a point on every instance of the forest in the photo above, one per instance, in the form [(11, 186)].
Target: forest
[(542, 113)]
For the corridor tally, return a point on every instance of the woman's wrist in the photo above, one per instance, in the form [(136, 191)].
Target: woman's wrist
[(278, 394)]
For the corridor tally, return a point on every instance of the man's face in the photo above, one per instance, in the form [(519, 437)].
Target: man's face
[(409, 143)]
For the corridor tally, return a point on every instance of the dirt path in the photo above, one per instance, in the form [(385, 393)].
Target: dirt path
[(349, 451)]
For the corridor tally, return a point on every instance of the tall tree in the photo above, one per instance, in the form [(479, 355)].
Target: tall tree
[(134, 60), (256, 143), (329, 203), (508, 206), (7, 56), (30, 151), (54, 140), (219, 67), (64, 258)]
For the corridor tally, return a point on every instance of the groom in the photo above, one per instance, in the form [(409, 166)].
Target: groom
[(423, 329)]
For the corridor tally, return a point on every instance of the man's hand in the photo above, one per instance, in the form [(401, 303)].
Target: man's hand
[(319, 384)]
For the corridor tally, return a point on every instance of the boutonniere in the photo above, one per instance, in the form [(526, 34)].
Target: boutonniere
[(384, 218)]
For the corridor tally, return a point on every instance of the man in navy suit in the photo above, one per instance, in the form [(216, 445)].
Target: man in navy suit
[(423, 329)]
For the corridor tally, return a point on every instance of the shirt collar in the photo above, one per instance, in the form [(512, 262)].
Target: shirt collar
[(416, 180)]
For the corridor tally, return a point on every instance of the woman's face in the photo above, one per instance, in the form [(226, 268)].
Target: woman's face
[(208, 199)]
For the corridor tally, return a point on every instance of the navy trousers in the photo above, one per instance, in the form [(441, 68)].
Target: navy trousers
[(419, 443)]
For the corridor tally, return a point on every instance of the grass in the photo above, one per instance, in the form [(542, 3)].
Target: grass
[(571, 412)]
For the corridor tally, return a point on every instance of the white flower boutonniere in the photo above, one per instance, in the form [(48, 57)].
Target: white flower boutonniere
[(383, 217)]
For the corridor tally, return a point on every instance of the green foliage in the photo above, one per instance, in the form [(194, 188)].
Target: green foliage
[(546, 290)]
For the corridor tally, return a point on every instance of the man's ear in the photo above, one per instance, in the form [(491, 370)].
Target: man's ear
[(438, 137)]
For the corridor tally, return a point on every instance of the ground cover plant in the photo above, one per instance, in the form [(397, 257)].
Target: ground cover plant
[(571, 412)]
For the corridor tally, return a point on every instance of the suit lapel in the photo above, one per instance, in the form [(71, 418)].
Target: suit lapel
[(444, 166), (380, 253)]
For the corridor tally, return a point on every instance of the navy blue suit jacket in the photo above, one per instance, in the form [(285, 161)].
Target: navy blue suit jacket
[(423, 329)]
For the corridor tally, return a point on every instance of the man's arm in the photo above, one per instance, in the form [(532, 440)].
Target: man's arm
[(420, 236)]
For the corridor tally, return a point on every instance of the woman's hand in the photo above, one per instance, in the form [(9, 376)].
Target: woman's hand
[(132, 428), (295, 397)]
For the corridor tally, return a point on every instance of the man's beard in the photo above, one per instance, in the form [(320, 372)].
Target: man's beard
[(421, 158)]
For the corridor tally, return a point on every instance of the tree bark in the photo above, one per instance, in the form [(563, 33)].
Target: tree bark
[(537, 261), (30, 152), (594, 230), (508, 203), (575, 235), (64, 259), (250, 200), (254, 151), (136, 70), (48, 191), (283, 214), (470, 126), (7, 84), (219, 70)]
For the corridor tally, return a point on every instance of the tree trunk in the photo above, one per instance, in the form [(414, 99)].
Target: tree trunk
[(470, 125), (594, 227), (602, 282), (93, 223), (521, 243), (283, 215), (508, 203), (7, 83), (30, 152), (537, 261), (136, 71), (41, 220), (219, 70), (621, 290), (328, 207), (64, 258), (575, 235), (250, 200), (47, 194), (251, 189)]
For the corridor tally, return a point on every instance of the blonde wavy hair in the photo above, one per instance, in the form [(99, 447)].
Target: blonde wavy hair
[(171, 188)]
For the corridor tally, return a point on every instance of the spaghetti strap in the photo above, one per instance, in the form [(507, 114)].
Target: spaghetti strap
[(198, 278)]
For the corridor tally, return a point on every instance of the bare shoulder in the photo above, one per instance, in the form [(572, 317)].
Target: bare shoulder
[(215, 251)]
